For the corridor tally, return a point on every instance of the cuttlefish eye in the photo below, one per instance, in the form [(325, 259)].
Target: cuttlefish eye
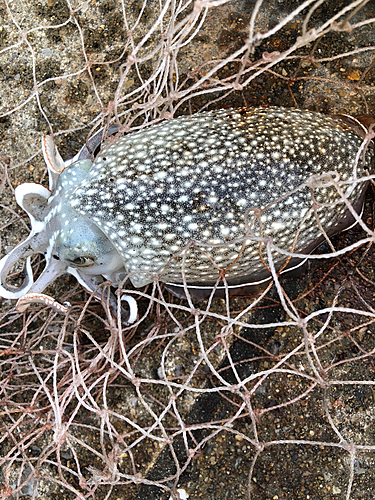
[(93, 249), (82, 261)]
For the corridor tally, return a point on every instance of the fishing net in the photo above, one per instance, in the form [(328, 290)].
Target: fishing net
[(269, 396)]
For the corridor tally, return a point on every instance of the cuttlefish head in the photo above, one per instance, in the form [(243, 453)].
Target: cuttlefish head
[(70, 242)]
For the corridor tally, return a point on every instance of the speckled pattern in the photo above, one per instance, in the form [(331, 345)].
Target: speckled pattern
[(195, 177)]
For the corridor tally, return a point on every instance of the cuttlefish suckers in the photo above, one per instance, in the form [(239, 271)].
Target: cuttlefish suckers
[(197, 198)]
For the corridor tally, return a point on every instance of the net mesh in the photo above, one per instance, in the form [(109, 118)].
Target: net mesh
[(264, 397)]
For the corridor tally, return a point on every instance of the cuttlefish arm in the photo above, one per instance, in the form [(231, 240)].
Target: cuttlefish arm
[(33, 199), (40, 298), (55, 164), (42, 206), (6, 263), (52, 270), (90, 283)]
